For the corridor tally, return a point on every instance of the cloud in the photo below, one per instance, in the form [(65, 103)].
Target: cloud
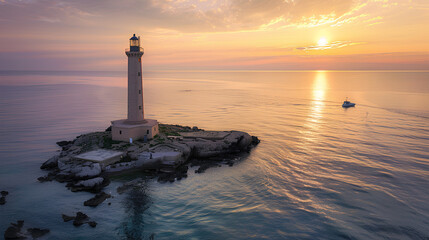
[(79, 34), (179, 15), (332, 45)]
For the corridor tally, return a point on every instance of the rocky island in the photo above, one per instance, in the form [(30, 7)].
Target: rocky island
[(86, 162), (140, 144)]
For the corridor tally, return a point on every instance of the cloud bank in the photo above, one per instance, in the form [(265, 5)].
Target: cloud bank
[(179, 15)]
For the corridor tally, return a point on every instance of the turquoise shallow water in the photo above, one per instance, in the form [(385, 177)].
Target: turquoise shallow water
[(320, 172)]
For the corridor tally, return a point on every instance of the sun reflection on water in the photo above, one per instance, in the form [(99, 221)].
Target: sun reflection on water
[(318, 98), (316, 108)]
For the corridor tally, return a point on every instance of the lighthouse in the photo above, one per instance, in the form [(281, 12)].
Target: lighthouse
[(136, 126)]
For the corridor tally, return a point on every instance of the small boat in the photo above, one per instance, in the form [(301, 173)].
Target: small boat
[(347, 104)]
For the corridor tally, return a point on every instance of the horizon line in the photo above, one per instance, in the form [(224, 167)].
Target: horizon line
[(234, 70)]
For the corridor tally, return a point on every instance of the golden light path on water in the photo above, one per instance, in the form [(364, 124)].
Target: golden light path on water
[(316, 112), (319, 91)]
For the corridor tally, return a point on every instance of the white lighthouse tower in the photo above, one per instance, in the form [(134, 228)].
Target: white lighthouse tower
[(135, 126)]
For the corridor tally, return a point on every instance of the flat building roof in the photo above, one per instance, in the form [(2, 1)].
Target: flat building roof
[(99, 155)]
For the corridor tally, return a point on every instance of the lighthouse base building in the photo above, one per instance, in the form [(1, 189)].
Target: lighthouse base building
[(123, 131), (135, 126)]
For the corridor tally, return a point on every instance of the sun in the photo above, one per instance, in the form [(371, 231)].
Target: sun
[(322, 42)]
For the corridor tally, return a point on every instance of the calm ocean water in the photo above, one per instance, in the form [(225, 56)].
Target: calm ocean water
[(320, 172)]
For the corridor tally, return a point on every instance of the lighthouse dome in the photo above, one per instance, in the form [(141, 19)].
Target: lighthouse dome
[(134, 37)]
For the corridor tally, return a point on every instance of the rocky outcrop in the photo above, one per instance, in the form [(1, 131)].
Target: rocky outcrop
[(16, 231), (97, 199), (234, 142), (168, 153)]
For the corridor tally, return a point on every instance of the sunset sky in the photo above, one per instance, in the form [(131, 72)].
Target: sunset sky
[(215, 35)]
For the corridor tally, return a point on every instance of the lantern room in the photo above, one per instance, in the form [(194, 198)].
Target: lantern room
[(135, 44)]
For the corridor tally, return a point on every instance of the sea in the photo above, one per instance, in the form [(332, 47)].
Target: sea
[(320, 172)]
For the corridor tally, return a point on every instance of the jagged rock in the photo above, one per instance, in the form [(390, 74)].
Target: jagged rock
[(80, 219), (50, 163), (4, 193), (98, 199)]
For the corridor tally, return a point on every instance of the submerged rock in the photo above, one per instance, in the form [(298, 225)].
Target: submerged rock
[(138, 182), (67, 218), (92, 224), (98, 199), (37, 232), (3, 197)]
